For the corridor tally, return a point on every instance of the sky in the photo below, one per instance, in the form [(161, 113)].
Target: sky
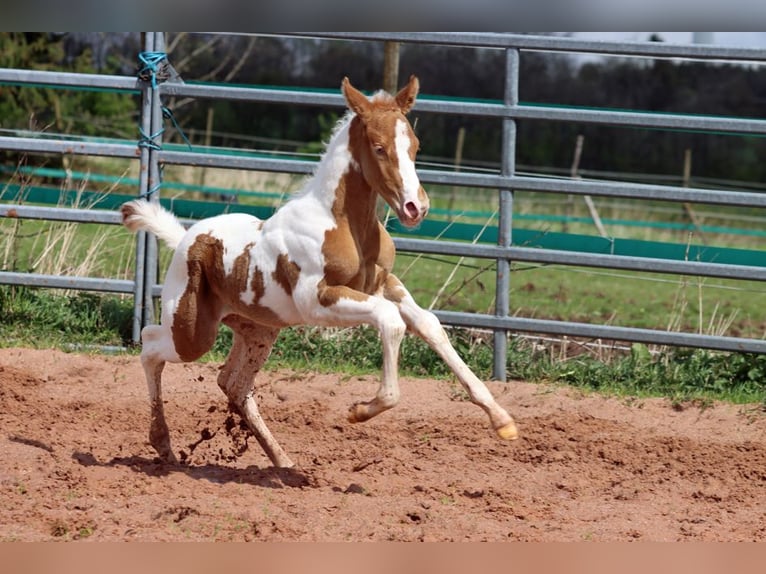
[(734, 39)]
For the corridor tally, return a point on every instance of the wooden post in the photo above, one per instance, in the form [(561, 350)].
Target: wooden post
[(391, 66), (687, 176), (208, 140), (588, 201), (569, 205), (458, 160), (687, 167)]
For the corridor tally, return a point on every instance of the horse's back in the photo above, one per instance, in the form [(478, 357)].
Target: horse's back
[(227, 224)]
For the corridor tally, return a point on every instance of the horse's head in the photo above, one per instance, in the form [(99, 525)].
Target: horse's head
[(384, 145)]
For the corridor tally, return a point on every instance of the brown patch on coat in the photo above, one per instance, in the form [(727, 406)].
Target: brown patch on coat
[(208, 290), (329, 295), (195, 322), (359, 253), (394, 290), (287, 272), (127, 210)]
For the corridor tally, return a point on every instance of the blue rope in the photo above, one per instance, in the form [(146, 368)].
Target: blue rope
[(169, 115), (147, 141), (149, 193), (151, 62), (153, 67)]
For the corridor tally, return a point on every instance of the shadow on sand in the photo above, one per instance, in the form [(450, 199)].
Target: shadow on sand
[(270, 477)]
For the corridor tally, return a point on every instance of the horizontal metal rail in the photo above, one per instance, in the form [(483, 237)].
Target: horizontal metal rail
[(67, 147), (21, 211), (549, 44), (608, 332), (69, 79), (103, 285), (441, 247), (599, 188), (651, 120), (237, 162), (577, 259), (732, 125)]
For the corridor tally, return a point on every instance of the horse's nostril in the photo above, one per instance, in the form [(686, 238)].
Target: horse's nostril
[(411, 209)]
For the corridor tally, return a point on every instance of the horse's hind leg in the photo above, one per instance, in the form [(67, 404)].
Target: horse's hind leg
[(160, 344), (156, 350), (425, 324), (249, 351)]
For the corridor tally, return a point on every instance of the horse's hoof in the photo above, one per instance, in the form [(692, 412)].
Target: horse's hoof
[(508, 431), (353, 414)]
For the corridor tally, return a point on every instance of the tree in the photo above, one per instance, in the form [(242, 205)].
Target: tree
[(40, 109)]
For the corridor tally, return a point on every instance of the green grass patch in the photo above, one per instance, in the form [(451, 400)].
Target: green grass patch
[(680, 374), (44, 318)]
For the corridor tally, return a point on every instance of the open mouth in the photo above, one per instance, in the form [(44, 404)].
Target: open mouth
[(411, 214), (409, 220)]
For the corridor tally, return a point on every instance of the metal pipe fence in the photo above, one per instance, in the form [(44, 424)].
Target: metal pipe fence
[(148, 151)]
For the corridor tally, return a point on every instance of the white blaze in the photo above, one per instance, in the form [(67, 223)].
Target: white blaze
[(410, 180)]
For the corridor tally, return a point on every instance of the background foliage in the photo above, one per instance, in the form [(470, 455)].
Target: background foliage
[(626, 83)]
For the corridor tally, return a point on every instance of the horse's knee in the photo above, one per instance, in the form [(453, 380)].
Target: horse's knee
[(392, 327), (157, 346)]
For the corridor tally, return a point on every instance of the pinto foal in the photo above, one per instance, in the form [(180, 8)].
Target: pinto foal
[(322, 259)]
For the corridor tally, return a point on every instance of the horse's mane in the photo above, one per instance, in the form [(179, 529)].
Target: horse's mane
[(381, 99)]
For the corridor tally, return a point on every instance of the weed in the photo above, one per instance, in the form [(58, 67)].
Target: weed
[(85, 532), (59, 528)]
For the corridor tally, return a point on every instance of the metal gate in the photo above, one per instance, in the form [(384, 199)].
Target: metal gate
[(153, 86)]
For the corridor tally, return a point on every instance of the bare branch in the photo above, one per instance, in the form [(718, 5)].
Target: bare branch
[(238, 66)]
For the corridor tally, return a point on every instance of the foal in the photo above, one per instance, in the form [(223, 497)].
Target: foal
[(322, 259)]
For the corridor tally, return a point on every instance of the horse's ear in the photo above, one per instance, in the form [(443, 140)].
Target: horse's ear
[(405, 99), (356, 100)]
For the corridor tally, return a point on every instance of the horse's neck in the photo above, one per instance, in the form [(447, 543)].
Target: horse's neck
[(339, 185)]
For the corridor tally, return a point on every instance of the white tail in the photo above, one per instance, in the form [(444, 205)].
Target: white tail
[(141, 214)]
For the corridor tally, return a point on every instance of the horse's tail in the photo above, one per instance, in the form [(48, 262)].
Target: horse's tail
[(141, 214)]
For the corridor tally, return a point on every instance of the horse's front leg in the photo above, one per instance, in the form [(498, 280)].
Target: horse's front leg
[(425, 324), (341, 305)]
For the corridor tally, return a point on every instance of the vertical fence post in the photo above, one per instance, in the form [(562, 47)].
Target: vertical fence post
[(145, 122), (154, 180), (505, 217)]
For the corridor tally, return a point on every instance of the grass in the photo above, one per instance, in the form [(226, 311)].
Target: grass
[(43, 318)]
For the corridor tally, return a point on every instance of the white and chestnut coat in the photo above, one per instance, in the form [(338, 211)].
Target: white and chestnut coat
[(323, 258)]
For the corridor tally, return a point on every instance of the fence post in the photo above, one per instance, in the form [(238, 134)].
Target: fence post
[(153, 190), (505, 214), (145, 122), (148, 187)]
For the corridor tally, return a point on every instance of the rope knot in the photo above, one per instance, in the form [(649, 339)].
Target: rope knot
[(153, 67)]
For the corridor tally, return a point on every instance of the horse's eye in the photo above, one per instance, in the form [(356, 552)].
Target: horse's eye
[(379, 150)]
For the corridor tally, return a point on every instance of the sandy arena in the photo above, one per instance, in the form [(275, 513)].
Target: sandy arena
[(76, 463)]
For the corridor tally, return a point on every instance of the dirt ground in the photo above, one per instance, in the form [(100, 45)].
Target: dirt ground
[(76, 463)]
